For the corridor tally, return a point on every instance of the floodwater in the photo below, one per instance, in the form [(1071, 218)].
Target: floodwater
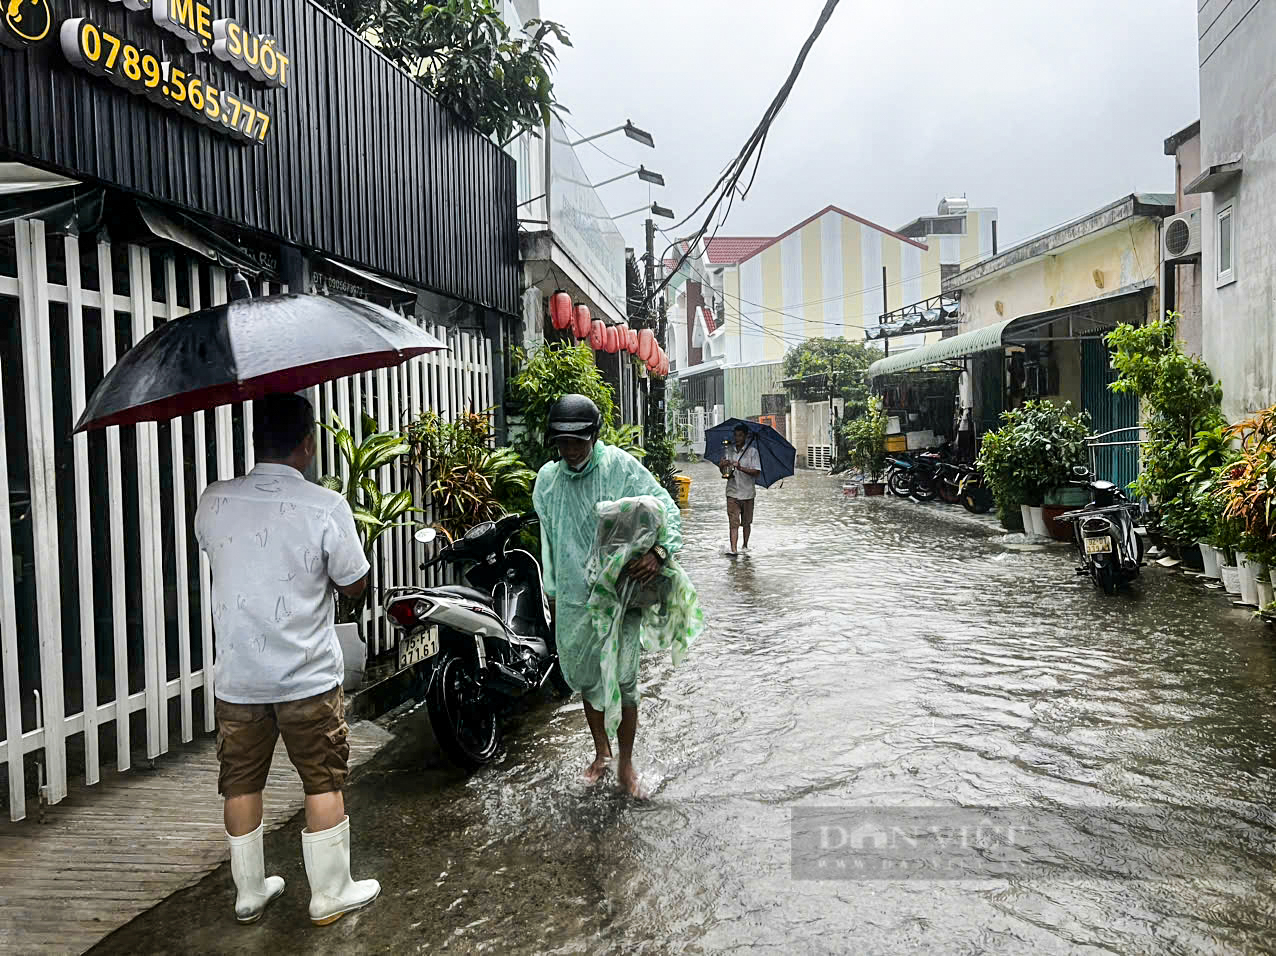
[(872, 659)]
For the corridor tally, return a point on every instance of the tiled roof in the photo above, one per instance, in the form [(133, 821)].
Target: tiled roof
[(729, 250)]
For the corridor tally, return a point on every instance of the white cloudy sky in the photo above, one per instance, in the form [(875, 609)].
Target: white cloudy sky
[(1043, 109)]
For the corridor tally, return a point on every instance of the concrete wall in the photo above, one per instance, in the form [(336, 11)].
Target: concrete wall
[(1238, 115), (1125, 254)]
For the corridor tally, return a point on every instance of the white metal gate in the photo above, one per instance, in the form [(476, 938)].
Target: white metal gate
[(104, 610)]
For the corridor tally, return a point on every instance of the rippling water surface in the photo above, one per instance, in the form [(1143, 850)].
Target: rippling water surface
[(870, 654)]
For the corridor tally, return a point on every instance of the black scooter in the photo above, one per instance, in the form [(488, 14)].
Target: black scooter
[(479, 646), (1105, 534)]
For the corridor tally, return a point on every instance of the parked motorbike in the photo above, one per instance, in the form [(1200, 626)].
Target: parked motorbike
[(917, 476), (479, 646), (973, 492), (1106, 534)]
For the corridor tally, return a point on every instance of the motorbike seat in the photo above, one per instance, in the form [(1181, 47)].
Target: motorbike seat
[(460, 591)]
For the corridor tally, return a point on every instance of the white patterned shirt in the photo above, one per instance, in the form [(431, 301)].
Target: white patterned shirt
[(740, 486), (276, 543)]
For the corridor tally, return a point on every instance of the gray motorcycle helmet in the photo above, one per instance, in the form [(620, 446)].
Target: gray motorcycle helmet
[(574, 416)]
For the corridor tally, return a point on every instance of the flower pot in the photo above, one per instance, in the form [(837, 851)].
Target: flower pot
[(1265, 590), (1059, 530), (1271, 573), (874, 489), (1231, 576), (1039, 522), (1249, 578), (1193, 556), (1209, 557), (354, 654), (1026, 513)]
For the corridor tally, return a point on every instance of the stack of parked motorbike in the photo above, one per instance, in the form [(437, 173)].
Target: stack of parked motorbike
[(933, 474)]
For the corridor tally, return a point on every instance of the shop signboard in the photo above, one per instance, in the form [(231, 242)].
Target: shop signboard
[(269, 115), (580, 222)]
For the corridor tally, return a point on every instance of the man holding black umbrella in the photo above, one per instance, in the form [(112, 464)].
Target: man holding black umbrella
[(741, 467), (279, 546)]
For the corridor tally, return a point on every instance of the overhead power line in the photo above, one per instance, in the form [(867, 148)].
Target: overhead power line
[(751, 153)]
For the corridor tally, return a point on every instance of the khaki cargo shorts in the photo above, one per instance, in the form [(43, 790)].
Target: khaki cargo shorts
[(740, 512), (314, 731)]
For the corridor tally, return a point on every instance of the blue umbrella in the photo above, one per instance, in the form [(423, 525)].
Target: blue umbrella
[(777, 455)]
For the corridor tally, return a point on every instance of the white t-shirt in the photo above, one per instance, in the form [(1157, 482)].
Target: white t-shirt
[(740, 486), (276, 543)]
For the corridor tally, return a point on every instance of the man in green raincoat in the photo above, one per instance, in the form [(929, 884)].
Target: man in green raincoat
[(566, 495)]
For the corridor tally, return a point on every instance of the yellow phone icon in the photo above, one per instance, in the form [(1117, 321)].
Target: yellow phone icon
[(29, 20)]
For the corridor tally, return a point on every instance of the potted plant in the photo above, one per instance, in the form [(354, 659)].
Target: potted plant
[(866, 441), (1248, 490), (1032, 453), (1179, 401), (375, 513)]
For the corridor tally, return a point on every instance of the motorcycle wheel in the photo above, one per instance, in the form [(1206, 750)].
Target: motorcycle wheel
[(462, 716), (1104, 578), (900, 483), (947, 492), (923, 487)]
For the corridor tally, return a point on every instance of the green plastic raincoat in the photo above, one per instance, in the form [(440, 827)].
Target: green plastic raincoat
[(567, 502)]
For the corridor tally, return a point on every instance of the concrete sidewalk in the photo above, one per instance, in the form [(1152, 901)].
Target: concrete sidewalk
[(107, 853)]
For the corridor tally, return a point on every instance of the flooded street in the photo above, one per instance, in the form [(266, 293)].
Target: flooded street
[(868, 654)]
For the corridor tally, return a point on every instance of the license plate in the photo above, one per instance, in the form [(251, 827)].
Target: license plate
[(1098, 545), (418, 647)]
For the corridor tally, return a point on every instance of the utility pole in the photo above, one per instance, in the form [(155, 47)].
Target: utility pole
[(886, 339), (656, 319)]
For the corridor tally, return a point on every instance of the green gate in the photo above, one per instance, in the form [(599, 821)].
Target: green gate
[(1109, 412)]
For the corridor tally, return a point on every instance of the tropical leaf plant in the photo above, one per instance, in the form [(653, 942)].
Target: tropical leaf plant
[(463, 52), (1248, 484), (375, 512), (466, 480), (547, 374)]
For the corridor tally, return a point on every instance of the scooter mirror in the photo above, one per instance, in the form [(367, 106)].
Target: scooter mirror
[(425, 535)]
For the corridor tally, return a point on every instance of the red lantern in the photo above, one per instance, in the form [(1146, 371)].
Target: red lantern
[(646, 344), (622, 337), (664, 365), (653, 360), (631, 341), (560, 309), (596, 335), (612, 341), (581, 321)]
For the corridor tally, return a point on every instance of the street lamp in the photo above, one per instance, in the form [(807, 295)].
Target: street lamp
[(629, 129), (654, 209), (642, 172)]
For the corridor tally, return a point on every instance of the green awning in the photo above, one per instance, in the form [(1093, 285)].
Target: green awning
[(987, 339)]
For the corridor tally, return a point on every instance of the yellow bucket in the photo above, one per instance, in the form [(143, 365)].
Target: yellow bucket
[(683, 484)]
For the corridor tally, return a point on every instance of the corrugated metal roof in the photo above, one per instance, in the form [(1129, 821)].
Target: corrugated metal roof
[(987, 339)]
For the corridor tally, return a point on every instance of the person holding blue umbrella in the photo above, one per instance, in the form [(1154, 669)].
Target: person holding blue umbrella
[(741, 467)]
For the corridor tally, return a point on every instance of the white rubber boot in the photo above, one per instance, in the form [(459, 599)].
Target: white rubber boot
[(332, 892), (253, 888)]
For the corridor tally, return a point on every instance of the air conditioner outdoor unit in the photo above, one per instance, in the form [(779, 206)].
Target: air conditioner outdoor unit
[(1181, 237)]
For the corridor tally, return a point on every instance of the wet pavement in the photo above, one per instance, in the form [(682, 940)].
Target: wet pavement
[(870, 655)]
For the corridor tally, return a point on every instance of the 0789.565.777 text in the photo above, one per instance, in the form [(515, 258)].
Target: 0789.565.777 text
[(139, 71)]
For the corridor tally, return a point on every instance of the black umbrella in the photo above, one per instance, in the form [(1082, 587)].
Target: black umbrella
[(778, 457), (249, 349)]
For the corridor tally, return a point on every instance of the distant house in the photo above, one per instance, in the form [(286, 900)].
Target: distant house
[(823, 278)]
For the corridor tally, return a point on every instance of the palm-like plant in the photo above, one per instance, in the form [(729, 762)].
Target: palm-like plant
[(375, 512)]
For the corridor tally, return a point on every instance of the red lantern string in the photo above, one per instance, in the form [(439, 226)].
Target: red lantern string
[(560, 309)]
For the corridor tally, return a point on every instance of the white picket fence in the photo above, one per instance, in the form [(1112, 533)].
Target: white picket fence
[(104, 598)]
